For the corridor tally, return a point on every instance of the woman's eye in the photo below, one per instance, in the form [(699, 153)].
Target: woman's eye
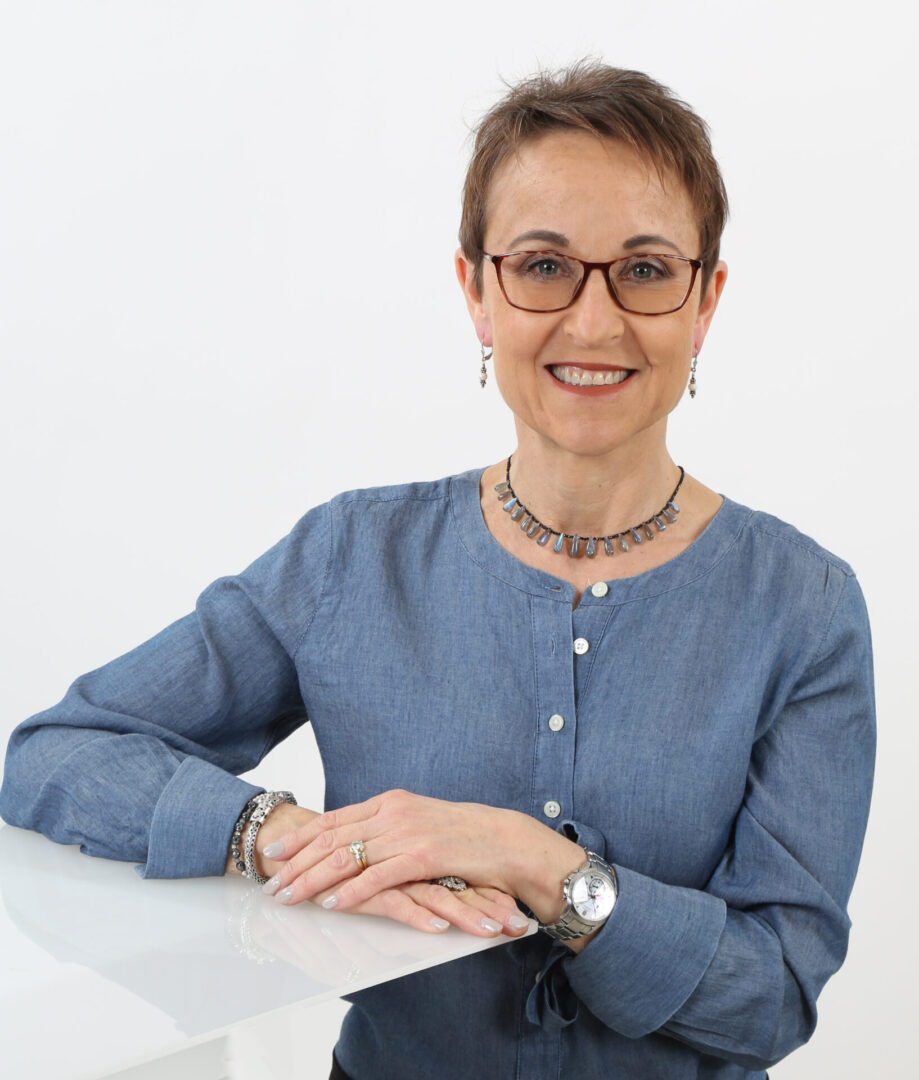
[(641, 270), (544, 268)]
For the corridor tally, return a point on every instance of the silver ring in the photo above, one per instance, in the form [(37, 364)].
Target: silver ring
[(452, 882), (360, 856)]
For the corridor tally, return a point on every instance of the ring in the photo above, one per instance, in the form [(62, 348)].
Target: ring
[(360, 856), (452, 882)]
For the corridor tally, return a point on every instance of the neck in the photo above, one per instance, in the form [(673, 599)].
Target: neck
[(592, 495)]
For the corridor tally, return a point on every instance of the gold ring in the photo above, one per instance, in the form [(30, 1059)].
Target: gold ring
[(360, 856)]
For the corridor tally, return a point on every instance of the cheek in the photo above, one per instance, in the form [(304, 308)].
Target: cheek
[(671, 343), (520, 335)]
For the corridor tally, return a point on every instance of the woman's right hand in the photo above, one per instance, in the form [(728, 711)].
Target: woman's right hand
[(481, 911)]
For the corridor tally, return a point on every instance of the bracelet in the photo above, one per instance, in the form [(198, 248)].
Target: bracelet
[(254, 812)]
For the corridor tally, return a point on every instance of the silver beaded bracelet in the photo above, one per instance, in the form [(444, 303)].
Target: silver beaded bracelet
[(254, 812)]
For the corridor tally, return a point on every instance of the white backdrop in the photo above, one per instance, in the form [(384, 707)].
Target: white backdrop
[(196, 201)]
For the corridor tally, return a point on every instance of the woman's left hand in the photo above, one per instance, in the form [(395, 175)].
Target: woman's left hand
[(410, 838)]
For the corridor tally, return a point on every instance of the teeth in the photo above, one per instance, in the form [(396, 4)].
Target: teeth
[(575, 376)]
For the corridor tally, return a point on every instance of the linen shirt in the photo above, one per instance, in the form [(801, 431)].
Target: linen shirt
[(714, 741)]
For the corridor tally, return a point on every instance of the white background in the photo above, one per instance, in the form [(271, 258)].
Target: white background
[(226, 292)]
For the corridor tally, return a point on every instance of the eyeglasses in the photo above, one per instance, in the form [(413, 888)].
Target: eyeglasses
[(642, 284)]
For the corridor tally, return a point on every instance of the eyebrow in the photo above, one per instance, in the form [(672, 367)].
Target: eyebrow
[(550, 237), (643, 240), (640, 240)]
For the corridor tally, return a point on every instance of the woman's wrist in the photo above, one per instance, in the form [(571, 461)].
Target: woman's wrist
[(284, 818), (542, 859)]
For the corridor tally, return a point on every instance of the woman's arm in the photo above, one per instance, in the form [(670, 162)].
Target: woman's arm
[(139, 761), (735, 969)]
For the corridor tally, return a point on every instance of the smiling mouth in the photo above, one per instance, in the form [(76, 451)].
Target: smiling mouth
[(571, 375)]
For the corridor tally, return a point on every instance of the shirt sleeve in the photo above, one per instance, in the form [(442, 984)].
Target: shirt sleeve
[(735, 969), (139, 761)]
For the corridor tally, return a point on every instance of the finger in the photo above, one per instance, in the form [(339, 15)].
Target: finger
[(290, 843), (468, 917), (289, 886), (293, 883), (398, 905), (330, 850), (388, 874), (496, 906)]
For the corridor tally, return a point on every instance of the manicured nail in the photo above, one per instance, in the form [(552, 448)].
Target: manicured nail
[(439, 924), (329, 902), (284, 895), (272, 851), (272, 885), (518, 922), (492, 926)]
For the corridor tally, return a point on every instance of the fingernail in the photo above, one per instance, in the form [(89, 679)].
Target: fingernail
[(272, 885), (439, 924), (272, 851), (518, 922), (492, 926), (284, 895), (329, 902)]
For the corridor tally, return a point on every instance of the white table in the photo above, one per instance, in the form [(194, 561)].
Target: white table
[(105, 974)]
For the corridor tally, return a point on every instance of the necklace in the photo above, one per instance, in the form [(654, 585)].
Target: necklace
[(535, 530)]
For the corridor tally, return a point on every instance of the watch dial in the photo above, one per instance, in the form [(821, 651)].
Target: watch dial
[(592, 897)]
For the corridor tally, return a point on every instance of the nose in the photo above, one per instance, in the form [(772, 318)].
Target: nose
[(594, 318)]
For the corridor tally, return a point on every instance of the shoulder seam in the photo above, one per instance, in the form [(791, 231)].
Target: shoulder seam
[(818, 652), (821, 555), (365, 495), (321, 593)]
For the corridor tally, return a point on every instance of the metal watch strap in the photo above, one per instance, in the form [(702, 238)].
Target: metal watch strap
[(569, 924)]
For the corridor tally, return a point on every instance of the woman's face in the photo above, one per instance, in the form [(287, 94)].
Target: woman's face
[(577, 194)]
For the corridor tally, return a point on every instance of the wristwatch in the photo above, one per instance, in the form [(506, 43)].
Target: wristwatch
[(590, 895)]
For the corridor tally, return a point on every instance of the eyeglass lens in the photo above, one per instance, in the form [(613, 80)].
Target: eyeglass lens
[(645, 284)]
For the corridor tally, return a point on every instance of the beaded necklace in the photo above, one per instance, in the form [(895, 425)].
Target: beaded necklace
[(536, 530)]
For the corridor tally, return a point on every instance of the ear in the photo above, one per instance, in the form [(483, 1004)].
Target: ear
[(465, 272), (708, 305)]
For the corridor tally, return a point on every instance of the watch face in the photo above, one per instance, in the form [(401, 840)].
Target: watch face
[(592, 897)]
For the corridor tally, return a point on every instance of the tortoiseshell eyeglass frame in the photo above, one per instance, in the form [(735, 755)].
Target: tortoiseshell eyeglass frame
[(696, 265)]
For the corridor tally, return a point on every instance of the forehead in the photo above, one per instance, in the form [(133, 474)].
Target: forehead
[(596, 191)]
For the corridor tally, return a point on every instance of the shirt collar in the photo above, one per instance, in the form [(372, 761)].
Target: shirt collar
[(702, 554)]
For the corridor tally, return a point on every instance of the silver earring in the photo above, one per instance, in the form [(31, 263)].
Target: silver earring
[(692, 375), (483, 374)]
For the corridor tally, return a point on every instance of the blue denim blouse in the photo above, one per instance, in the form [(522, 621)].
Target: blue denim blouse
[(717, 748)]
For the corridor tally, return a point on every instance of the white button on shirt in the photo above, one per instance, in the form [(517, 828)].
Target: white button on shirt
[(552, 809), (581, 645), (600, 589), (556, 722)]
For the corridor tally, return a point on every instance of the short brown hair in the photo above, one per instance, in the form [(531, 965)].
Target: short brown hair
[(608, 101)]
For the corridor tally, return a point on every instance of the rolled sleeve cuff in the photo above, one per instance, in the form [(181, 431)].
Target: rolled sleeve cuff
[(193, 821), (650, 955)]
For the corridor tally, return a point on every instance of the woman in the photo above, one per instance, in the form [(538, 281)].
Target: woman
[(578, 678)]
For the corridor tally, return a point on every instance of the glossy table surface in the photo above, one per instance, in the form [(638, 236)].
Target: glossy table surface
[(101, 969)]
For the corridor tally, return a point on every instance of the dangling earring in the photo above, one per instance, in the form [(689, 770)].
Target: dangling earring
[(692, 376), (483, 374)]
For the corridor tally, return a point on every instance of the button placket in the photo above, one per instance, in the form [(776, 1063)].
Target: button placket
[(553, 774)]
